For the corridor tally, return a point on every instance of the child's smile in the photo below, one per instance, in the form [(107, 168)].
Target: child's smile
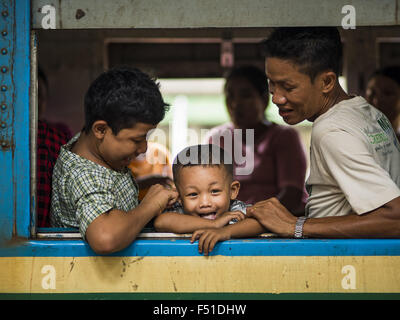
[(205, 191)]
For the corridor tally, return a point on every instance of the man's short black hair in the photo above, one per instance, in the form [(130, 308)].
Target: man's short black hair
[(206, 155), (312, 49), (122, 97)]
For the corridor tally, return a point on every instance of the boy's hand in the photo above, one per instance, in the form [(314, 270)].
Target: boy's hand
[(224, 219), (208, 238), (159, 197)]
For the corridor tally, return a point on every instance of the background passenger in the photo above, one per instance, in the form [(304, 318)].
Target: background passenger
[(152, 167), (279, 157), (43, 97), (49, 141), (383, 92)]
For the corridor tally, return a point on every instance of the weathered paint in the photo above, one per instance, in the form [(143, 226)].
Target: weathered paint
[(251, 266), (214, 274), (14, 114), (77, 14), (21, 161)]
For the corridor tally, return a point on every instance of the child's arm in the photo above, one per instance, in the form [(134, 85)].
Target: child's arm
[(208, 238), (114, 230), (183, 223)]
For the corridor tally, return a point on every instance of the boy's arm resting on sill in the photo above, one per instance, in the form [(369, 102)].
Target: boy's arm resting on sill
[(115, 230), (208, 238), (184, 223)]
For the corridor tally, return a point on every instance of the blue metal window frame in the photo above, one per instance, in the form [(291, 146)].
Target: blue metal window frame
[(15, 201), (248, 247)]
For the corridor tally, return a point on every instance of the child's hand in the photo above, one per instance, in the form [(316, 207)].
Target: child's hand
[(224, 219), (208, 238), (159, 197)]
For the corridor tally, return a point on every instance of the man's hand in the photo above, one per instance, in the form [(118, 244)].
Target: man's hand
[(274, 217), (224, 218), (208, 238), (159, 197)]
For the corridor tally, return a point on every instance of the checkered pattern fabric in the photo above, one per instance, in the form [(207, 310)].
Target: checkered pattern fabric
[(49, 142), (83, 190)]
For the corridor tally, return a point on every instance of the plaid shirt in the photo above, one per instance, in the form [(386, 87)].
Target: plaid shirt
[(49, 141), (83, 190)]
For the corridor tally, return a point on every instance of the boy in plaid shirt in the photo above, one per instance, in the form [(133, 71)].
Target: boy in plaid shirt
[(93, 189)]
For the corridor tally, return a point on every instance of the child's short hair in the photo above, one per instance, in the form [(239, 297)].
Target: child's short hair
[(206, 155), (123, 97)]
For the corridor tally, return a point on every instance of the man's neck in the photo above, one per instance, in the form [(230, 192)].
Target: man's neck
[(337, 95)]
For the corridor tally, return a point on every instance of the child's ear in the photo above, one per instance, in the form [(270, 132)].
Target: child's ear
[(99, 128), (235, 186)]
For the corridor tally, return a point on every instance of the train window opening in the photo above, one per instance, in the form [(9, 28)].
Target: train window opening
[(188, 68), (189, 71)]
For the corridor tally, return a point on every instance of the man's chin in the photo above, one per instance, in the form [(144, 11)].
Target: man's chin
[(291, 121)]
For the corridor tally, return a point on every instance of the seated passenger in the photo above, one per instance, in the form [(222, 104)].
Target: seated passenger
[(93, 189), (203, 175), (383, 92), (354, 181), (279, 158), (152, 167), (43, 93), (49, 141)]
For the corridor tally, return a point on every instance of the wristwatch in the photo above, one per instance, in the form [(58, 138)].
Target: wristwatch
[(298, 230)]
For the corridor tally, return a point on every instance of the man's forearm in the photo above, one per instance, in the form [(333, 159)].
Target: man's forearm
[(383, 222)]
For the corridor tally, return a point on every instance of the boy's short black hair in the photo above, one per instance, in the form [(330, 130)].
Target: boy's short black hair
[(122, 97), (313, 49), (206, 155)]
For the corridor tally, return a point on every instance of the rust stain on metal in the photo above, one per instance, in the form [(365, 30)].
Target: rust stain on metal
[(5, 145), (79, 14)]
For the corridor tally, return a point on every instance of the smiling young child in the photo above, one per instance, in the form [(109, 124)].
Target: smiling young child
[(207, 206)]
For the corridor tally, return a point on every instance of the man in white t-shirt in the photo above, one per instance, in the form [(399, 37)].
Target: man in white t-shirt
[(354, 182)]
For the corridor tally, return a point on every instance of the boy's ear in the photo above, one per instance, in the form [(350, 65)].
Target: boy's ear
[(99, 128), (235, 186)]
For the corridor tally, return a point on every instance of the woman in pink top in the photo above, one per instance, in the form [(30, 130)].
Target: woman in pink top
[(279, 158)]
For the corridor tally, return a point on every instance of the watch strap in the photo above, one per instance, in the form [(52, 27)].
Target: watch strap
[(298, 230)]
